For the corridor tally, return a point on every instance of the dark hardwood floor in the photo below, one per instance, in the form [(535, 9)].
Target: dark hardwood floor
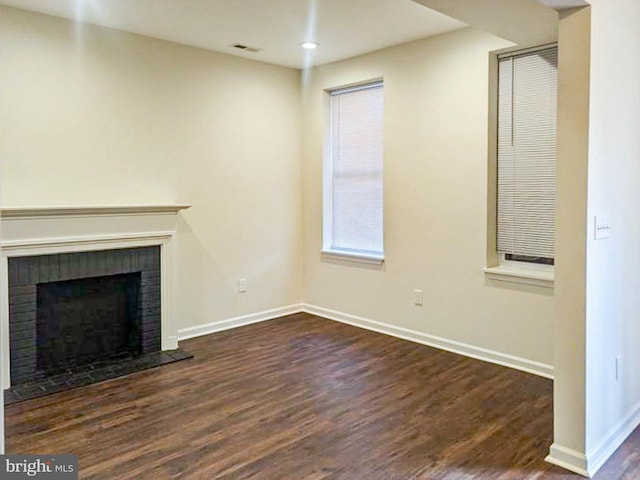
[(305, 398)]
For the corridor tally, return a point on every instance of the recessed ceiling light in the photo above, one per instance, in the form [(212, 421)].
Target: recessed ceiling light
[(309, 45)]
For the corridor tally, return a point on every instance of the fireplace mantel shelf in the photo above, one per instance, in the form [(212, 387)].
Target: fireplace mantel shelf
[(89, 210)]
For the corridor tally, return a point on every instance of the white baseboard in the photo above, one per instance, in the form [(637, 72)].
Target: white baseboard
[(588, 465), (460, 348), (568, 459), (529, 366), (616, 437), (191, 332)]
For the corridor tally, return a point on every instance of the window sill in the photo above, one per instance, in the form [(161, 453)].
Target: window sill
[(521, 275), (355, 257)]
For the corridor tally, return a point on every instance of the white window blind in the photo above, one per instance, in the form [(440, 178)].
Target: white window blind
[(527, 106), (355, 187)]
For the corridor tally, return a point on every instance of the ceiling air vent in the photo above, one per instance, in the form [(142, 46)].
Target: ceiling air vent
[(246, 48)]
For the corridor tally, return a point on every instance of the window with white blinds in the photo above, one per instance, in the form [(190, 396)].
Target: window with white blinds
[(353, 172), (527, 106)]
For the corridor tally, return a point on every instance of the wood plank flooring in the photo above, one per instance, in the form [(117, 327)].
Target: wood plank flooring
[(305, 398)]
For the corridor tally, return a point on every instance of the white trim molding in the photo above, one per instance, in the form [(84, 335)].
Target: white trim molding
[(568, 459), (354, 257), (479, 353), (21, 248), (588, 465), (9, 213), (229, 323), (614, 438), (525, 276), (491, 356)]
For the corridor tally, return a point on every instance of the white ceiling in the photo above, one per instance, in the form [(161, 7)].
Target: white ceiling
[(343, 28)]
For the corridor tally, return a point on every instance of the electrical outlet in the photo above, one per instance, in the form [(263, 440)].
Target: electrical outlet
[(242, 285), (618, 367), (417, 297)]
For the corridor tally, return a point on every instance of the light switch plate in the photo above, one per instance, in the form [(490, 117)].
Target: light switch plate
[(602, 228), (417, 297)]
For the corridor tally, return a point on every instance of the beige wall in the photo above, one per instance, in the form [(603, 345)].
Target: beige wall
[(613, 281), (95, 116), (91, 115), (435, 176)]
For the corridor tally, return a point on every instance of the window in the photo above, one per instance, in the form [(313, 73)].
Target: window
[(353, 196), (527, 106)]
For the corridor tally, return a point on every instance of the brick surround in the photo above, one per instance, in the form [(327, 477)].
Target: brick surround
[(25, 273)]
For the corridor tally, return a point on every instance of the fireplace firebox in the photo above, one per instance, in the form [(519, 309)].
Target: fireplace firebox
[(84, 321)]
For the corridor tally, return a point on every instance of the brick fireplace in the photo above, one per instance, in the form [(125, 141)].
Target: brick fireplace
[(81, 285), (72, 309)]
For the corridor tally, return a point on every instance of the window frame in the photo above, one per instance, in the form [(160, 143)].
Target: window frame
[(496, 266), (328, 251)]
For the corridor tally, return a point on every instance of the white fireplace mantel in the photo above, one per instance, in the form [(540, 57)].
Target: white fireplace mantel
[(45, 230), (10, 213)]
